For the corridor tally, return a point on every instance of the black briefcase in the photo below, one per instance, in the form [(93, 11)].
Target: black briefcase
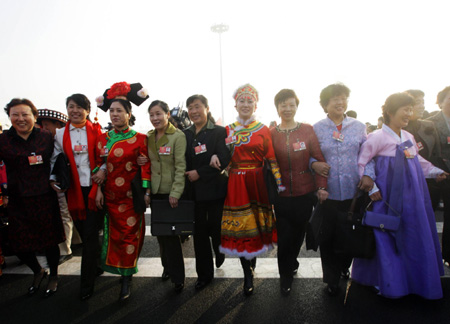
[(167, 221)]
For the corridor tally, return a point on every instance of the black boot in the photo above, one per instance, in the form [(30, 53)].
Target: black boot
[(248, 276), (125, 291), (253, 261)]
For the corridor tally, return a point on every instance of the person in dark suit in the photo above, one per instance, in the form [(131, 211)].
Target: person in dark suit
[(427, 139), (442, 122), (206, 185)]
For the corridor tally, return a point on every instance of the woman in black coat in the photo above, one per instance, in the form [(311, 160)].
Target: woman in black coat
[(34, 218), (206, 185)]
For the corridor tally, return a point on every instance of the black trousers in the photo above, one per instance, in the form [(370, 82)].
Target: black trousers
[(333, 263), (292, 215), (171, 252), (172, 257), (208, 218), (52, 255), (438, 191), (89, 229)]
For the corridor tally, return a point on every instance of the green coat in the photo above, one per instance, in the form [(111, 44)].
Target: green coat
[(168, 170)]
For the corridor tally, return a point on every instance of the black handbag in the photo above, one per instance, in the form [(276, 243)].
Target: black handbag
[(138, 193), (352, 237), (271, 183), (61, 170), (314, 228), (168, 221)]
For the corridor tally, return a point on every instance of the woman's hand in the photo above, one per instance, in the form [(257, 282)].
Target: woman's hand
[(321, 168), (376, 196), (173, 202), (366, 184), (142, 160), (215, 162), (55, 186), (322, 195), (147, 200), (192, 175), (99, 199), (442, 177), (99, 177)]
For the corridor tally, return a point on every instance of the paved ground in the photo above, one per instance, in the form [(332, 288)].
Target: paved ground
[(154, 301)]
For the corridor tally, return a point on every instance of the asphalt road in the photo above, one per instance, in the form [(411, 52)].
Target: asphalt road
[(154, 301)]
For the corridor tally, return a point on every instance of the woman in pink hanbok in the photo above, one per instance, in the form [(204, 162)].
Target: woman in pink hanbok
[(408, 260)]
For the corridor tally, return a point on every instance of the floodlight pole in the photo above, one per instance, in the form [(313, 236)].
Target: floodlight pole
[(220, 28)]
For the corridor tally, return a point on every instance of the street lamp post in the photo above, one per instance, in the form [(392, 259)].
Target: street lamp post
[(220, 28)]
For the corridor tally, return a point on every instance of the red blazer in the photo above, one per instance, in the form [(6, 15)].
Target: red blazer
[(293, 148)]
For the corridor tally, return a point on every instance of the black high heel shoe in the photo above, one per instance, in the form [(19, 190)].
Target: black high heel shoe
[(52, 286), (248, 276), (38, 278), (125, 291), (248, 284)]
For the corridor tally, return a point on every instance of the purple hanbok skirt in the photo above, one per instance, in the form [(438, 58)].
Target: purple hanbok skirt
[(413, 264)]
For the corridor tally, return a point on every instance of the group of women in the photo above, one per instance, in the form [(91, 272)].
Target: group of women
[(222, 169)]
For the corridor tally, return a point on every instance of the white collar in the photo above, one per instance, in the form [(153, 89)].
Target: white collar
[(73, 127), (389, 130)]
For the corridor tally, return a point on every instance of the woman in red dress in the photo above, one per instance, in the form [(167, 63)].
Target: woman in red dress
[(124, 228), (248, 221)]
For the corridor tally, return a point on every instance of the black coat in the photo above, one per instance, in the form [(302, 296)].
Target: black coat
[(444, 134), (212, 184), (426, 137)]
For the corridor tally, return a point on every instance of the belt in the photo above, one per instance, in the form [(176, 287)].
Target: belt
[(246, 165)]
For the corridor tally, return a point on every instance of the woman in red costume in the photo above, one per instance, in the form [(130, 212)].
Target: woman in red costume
[(248, 221), (124, 228)]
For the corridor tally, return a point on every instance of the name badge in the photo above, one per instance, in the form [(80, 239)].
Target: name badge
[(338, 136), (78, 149), (200, 149), (409, 153), (164, 150), (419, 146), (231, 140), (104, 151), (35, 159), (299, 146)]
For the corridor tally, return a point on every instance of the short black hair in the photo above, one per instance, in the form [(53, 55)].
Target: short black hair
[(81, 100), (284, 95), (204, 101), (441, 95), (331, 91), (351, 113), (415, 93), (162, 104), (200, 97), (23, 101), (394, 102)]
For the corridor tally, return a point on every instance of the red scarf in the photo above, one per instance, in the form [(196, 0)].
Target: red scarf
[(75, 199)]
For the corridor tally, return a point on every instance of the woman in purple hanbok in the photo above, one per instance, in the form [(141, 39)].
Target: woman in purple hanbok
[(407, 261)]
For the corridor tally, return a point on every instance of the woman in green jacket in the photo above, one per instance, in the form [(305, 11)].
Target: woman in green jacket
[(166, 148)]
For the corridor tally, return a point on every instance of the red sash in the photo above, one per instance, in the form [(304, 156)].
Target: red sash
[(75, 199)]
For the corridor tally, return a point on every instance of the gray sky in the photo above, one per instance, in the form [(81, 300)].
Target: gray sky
[(52, 49)]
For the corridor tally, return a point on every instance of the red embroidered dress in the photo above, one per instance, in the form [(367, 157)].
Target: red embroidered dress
[(124, 229), (248, 221)]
